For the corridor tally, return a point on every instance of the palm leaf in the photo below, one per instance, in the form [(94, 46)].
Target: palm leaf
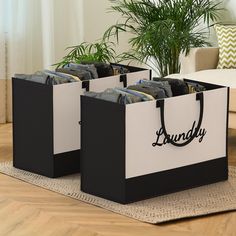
[(161, 30)]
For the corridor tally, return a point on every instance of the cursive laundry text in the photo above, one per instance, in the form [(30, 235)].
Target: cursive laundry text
[(162, 140)]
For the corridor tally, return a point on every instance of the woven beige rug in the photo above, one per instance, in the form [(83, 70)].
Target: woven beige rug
[(219, 197)]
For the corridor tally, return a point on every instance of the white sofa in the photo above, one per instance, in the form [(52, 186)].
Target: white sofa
[(201, 65)]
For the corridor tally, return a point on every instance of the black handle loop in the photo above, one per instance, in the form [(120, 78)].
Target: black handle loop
[(160, 103), (86, 85), (123, 78)]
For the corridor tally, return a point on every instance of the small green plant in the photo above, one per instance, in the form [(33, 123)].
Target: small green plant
[(89, 52), (161, 30)]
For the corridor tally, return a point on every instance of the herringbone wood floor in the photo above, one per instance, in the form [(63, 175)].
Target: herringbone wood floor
[(29, 210)]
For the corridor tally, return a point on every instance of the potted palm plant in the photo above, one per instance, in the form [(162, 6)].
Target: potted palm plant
[(161, 30), (100, 51)]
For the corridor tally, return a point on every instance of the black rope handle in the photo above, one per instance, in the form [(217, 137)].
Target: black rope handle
[(86, 85), (123, 78), (160, 103)]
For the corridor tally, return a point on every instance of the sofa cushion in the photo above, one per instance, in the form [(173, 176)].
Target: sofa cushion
[(224, 77), (226, 35)]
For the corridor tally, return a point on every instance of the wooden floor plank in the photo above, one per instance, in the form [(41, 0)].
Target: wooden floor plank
[(29, 210)]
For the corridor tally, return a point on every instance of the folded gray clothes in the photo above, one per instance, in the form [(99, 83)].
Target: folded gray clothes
[(159, 84), (63, 78), (178, 87), (120, 69), (131, 97), (81, 74), (195, 87), (142, 96), (156, 92), (46, 77), (87, 67), (114, 95), (42, 79), (103, 69)]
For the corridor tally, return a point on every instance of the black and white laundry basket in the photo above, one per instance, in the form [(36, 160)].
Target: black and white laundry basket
[(141, 150), (46, 121)]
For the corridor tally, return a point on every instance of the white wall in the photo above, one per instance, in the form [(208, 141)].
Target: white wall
[(97, 19), (68, 26), (230, 14), (227, 16), (62, 26)]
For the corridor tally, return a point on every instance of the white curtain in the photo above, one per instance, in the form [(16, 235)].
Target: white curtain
[(33, 36)]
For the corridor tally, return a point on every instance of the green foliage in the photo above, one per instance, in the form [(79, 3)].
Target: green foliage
[(163, 29), (89, 52)]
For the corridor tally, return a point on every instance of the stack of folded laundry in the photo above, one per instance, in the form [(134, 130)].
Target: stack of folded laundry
[(148, 90), (48, 77), (73, 73), (180, 87)]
